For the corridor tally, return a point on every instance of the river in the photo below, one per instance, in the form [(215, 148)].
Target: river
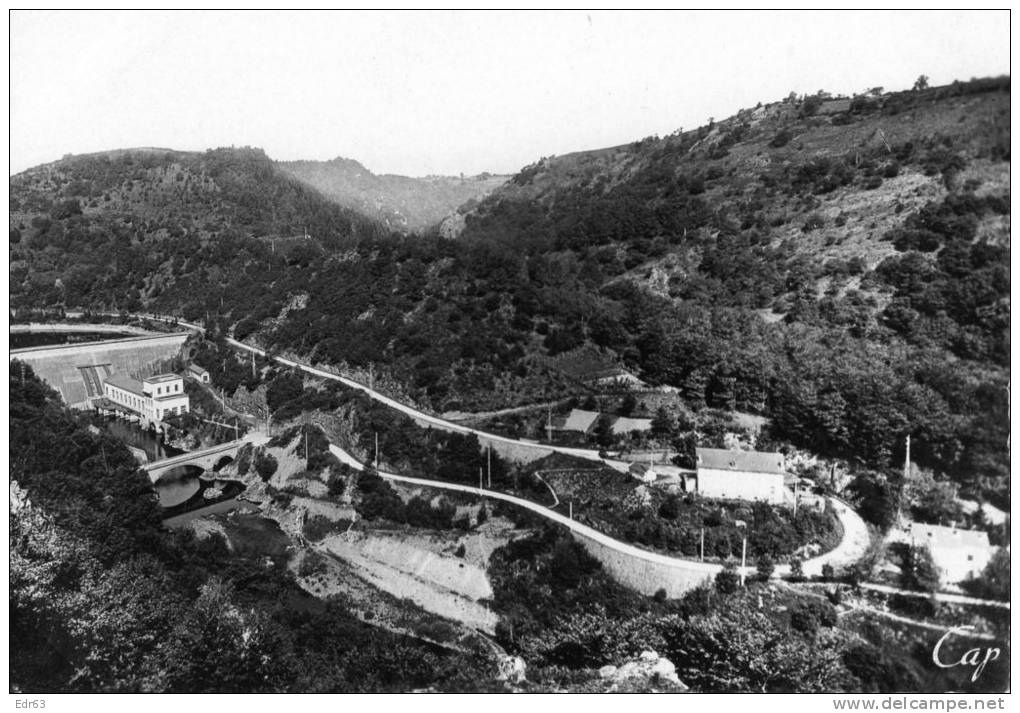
[(133, 435)]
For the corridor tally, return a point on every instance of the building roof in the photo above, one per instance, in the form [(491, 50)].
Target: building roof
[(578, 420), (941, 537), (196, 369), (743, 461), (160, 378), (126, 383), (626, 425)]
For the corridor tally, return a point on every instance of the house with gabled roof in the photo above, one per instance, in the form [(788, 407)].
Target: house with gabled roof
[(741, 475)]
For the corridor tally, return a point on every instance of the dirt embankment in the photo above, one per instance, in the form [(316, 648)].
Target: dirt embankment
[(440, 571), (423, 566)]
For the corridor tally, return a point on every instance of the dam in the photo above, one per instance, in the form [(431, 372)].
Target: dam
[(78, 370)]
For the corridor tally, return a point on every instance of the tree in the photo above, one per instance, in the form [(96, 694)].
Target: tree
[(628, 404), (994, 582), (766, 567), (739, 648), (919, 570), (727, 580), (604, 432), (671, 507), (663, 424), (921, 83), (797, 570)]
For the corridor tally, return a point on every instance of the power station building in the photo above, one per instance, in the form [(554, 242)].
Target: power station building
[(151, 399)]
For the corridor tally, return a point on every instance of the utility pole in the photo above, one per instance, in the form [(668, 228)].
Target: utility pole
[(488, 458), (571, 506), (796, 496), (479, 479), (743, 563), (903, 486), (702, 544), (548, 426), (377, 450), (253, 365), (306, 446)]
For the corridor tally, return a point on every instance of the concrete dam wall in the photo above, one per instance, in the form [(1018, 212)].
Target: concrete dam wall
[(60, 365)]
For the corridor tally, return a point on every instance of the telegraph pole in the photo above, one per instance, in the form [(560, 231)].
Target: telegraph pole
[(702, 544), (743, 563), (377, 450), (488, 457)]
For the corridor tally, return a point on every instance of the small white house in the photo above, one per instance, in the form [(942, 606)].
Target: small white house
[(198, 373), (741, 475), (959, 554)]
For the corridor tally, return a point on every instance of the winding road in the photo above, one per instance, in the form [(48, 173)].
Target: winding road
[(852, 546)]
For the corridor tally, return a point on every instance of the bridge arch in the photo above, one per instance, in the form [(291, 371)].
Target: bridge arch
[(222, 463)]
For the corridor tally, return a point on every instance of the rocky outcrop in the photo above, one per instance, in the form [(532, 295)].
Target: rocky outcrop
[(511, 669), (648, 672)]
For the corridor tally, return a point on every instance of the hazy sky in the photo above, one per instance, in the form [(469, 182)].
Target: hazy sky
[(449, 92)]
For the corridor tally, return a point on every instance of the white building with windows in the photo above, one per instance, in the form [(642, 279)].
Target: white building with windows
[(741, 475), (959, 554), (152, 399)]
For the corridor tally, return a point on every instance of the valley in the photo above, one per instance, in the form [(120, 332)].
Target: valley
[(629, 400)]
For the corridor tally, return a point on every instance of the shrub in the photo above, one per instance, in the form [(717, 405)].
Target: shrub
[(766, 567), (318, 527), (727, 581), (244, 458), (813, 222), (797, 571), (265, 465), (781, 139)]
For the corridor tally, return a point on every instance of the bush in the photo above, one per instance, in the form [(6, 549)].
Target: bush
[(781, 139), (727, 581), (797, 571), (244, 458), (766, 567), (336, 485), (813, 222), (318, 527), (265, 465)]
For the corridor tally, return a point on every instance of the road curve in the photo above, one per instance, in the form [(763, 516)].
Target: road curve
[(708, 568), (418, 415), (851, 547)]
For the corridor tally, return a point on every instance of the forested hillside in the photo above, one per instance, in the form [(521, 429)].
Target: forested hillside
[(122, 228), (838, 265), (401, 203), (104, 599)]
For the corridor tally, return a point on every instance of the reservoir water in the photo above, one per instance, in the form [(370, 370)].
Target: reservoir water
[(24, 340)]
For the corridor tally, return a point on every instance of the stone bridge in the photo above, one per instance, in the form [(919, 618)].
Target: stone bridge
[(212, 458)]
